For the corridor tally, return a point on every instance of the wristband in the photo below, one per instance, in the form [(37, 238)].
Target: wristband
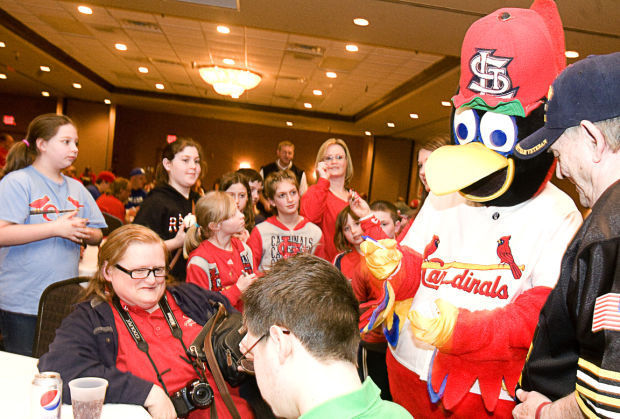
[(539, 409)]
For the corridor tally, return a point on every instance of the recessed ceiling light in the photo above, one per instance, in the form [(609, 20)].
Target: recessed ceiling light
[(367, 133), (143, 70), (2, 44), (414, 116), (308, 105), (352, 48), (317, 92), (159, 86), (360, 21), (571, 54), (44, 93), (446, 103), (2, 76), (77, 85), (107, 101), (120, 47), (228, 61), (223, 29), (289, 124), (390, 124), (85, 10), (45, 68), (331, 74)]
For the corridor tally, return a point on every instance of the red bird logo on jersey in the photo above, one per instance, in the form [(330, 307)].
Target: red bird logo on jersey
[(505, 256), (430, 249)]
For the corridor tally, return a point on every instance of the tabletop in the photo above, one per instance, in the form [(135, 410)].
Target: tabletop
[(16, 381)]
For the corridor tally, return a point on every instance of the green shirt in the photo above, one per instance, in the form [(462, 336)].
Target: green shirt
[(362, 403)]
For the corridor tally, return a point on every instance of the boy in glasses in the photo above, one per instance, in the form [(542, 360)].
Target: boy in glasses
[(302, 319)]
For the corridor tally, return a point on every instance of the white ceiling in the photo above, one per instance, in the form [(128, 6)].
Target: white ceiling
[(406, 63)]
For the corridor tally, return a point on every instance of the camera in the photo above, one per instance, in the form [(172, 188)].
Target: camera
[(197, 394)]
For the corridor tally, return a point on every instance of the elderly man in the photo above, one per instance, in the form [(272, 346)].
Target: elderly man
[(286, 153), (302, 321), (574, 362)]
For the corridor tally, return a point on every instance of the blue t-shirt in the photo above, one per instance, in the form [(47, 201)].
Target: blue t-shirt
[(27, 269)]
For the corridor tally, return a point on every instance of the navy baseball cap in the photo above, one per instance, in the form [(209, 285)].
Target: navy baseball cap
[(586, 90), (137, 171)]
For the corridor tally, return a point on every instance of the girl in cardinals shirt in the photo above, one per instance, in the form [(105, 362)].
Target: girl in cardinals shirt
[(218, 260), (323, 201), (288, 233), (172, 199), (44, 217)]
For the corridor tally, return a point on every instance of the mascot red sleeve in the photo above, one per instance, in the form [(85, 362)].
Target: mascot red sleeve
[(492, 231)]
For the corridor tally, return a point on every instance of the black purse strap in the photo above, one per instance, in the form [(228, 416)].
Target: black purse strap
[(215, 368)]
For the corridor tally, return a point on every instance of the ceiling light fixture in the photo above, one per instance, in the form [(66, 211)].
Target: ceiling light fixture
[(352, 48), (390, 124), (360, 21), (107, 101), (44, 93), (228, 61), (308, 105), (143, 70), (317, 92), (229, 81), (223, 29), (367, 133), (331, 75), (446, 103), (120, 47), (2, 76), (571, 54), (414, 116), (45, 69), (289, 124), (159, 86), (77, 86), (2, 44), (85, 10)]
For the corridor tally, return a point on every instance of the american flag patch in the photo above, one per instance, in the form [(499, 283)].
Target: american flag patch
[(606, 313)]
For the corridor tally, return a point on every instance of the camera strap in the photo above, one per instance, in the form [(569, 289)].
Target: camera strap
[(143, 346)]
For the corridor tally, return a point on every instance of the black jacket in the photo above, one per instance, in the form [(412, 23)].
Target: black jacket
[(163, 211), (86, 344), (564, 341)]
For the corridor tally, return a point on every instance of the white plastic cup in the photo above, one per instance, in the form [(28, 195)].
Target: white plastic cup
[(87, 395)]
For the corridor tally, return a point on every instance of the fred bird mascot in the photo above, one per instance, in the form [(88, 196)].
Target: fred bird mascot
[(496, 226)]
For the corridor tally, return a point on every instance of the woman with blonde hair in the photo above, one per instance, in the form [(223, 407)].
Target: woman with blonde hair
[(218, 260), (132, 289), (324, 200)]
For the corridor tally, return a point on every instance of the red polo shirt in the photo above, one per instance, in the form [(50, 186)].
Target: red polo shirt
[(165, 350)]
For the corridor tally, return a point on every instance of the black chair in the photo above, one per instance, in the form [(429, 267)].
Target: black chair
[(57, 301), (112, 222)]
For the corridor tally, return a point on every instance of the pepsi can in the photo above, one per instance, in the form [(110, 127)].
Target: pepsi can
[(46, 396)]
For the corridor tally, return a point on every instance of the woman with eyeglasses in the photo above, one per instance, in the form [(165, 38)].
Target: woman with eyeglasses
[(131, 290), (325, 199)]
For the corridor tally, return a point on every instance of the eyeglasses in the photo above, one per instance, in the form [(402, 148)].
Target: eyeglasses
[(248, 364), (332, 158), (142, 273)]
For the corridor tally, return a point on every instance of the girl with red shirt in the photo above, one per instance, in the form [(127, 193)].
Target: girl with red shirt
[(218, 260)]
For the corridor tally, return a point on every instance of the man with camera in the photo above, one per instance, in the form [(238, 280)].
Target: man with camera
[(303, 337)]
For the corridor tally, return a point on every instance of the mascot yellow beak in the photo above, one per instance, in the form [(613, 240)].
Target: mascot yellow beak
[(453, 168)]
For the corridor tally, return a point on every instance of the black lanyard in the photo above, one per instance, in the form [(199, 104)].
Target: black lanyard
[(176, 331)]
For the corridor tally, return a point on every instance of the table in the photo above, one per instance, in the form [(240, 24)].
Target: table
[(15, 384)]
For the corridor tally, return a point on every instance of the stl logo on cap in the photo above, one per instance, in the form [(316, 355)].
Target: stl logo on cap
[(50, 399), (490, 74)]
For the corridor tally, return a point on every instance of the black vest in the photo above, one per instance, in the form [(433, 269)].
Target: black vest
[(273, 167)]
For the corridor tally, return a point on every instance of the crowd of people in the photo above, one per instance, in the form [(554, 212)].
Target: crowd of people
[(352, 309)]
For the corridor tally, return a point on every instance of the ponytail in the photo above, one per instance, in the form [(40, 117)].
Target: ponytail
[(193, 238), (25, 152)]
